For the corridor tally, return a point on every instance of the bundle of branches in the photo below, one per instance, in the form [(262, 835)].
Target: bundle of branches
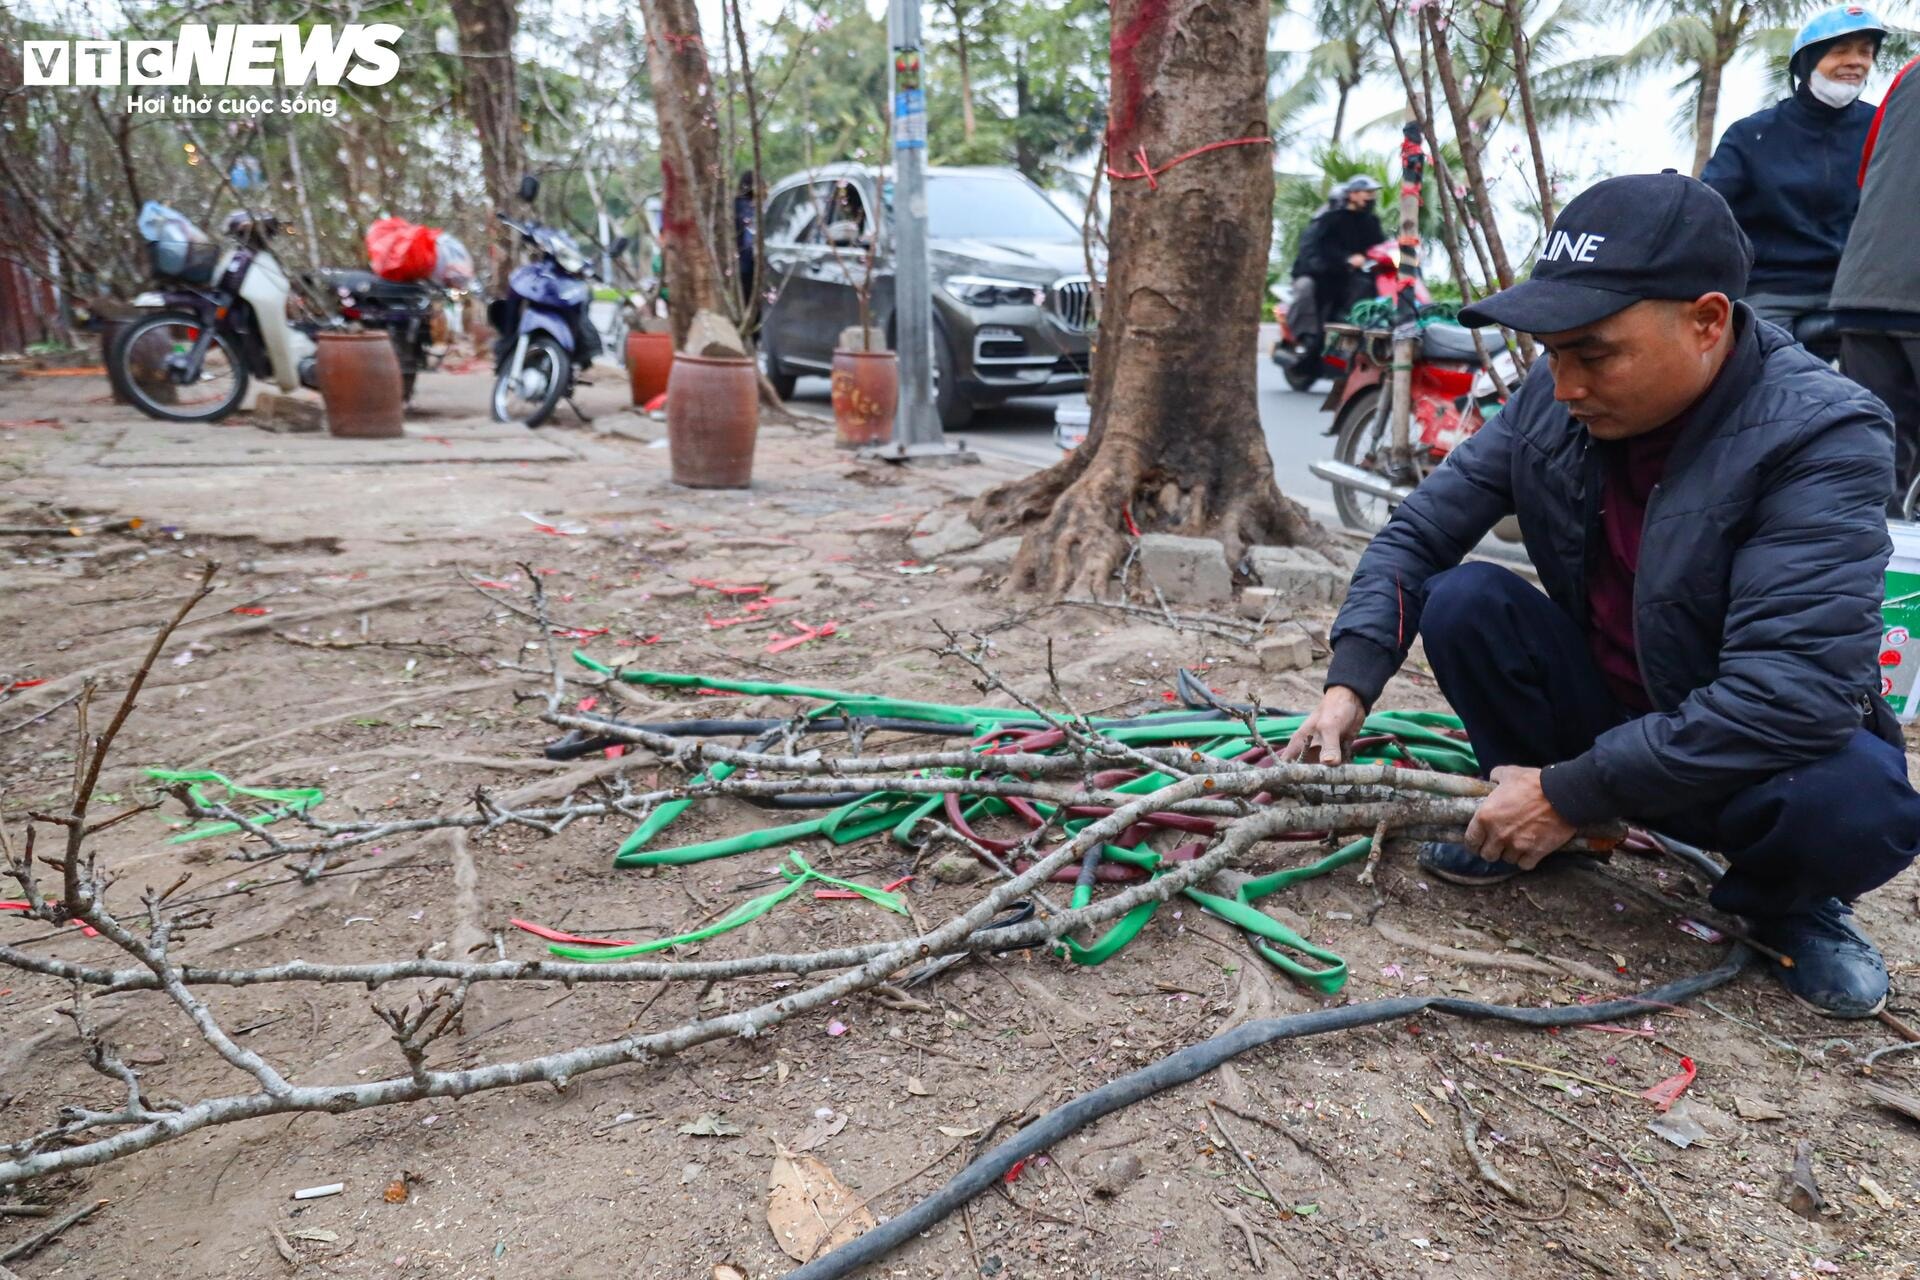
[(1097, 790)]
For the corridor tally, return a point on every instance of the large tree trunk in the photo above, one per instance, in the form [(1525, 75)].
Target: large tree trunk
[(1175, 443), (486, 29), (696, 216)]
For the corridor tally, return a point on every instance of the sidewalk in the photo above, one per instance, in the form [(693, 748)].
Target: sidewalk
[(373, 634)]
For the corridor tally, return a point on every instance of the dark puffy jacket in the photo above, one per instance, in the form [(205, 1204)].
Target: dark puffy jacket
[(1790, 174), (1756, 604), (1347, 232), (1305, 257), (1880, 271)]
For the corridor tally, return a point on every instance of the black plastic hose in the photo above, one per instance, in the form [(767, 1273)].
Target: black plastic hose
[(1197, 1060)]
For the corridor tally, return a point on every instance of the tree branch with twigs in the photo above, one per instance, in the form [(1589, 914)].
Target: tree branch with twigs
[(421, 1017)]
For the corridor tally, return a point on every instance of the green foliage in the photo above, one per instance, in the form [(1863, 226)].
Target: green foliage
[(823, 87), (1297, 197), (1037, 76)]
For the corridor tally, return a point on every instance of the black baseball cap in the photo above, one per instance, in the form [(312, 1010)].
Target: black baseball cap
[(1622, 241)]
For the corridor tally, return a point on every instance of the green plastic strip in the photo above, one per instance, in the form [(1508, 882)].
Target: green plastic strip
[(750, 910), (1240, 912), (290, 799)]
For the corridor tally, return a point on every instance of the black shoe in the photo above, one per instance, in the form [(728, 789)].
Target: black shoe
[(1836, 968), (1459, 864)]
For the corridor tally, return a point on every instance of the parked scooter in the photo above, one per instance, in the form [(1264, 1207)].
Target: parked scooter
[(1305, 363), (544, 331), (403, 310), (218, 318), (1453, 394)]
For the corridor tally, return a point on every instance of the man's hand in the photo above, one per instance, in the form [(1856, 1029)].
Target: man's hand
[(1516, 823), (1357, 260), (1326, 735)]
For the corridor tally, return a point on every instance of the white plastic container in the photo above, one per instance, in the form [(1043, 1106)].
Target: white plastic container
[(1900, 621)]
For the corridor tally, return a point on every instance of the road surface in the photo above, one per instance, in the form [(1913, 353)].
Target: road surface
[(1023, 429)]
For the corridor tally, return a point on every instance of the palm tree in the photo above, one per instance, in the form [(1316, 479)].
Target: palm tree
[(1701, 37), (1348, 52)]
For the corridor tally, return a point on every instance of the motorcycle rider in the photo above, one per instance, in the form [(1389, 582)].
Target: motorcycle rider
[(1339, 253), (1876, 296), (1303, 302), (1789, 171), (1704, 502)]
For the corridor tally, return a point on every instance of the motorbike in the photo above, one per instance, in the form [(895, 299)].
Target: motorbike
[(1305, 363), (545, 333), (403, 310), (1453, 393), (219, 317)]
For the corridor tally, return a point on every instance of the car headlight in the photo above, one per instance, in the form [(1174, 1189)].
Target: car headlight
[(989, 291)]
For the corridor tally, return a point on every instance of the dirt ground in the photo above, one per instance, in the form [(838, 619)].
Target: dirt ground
[(379, 675)]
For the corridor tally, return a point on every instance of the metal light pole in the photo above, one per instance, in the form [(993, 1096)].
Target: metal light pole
[(916, 425)]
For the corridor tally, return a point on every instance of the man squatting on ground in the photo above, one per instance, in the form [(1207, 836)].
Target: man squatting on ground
[(1705, 505)]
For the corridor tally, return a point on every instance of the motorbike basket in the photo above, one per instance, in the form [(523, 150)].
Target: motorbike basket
[(188, 260)]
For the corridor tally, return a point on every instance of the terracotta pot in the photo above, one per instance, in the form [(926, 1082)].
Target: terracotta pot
[(866, 390), (359, 378), (649, 361), (713, 416)]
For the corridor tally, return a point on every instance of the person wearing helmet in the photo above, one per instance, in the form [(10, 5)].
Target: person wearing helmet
[(1789, 171), (1303, 304), (1339, 252)]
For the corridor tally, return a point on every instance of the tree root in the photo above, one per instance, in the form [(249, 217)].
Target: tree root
[(1077, 517)]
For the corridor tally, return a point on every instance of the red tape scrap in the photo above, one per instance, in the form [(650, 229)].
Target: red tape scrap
[(1668, 1091), (252, 611), (86, 930), (554, 935), (807, 633), (726, 589)]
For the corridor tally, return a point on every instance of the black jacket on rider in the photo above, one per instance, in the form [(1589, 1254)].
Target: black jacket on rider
[(1310, 237), (1757, 599), (1345, 233)]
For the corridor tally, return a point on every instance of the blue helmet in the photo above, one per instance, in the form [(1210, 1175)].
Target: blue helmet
[(1827, 26)]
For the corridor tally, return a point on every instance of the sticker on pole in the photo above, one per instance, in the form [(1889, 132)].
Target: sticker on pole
[(909, 102)]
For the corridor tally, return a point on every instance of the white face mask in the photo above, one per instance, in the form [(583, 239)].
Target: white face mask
[(1835, 93)]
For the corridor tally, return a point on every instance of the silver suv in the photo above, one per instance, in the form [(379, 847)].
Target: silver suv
[(1012, 301)]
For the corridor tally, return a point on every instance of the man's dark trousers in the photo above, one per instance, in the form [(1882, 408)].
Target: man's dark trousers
[(1521, 677)]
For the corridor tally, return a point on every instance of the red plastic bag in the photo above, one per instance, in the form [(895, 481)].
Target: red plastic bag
[(398, 250)]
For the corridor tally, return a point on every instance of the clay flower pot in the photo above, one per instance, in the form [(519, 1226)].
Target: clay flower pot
[(359, 378), (649, 361), (866, 390), (713, 417)]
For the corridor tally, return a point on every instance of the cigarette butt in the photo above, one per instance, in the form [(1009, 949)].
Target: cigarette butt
[(315, 1193)]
